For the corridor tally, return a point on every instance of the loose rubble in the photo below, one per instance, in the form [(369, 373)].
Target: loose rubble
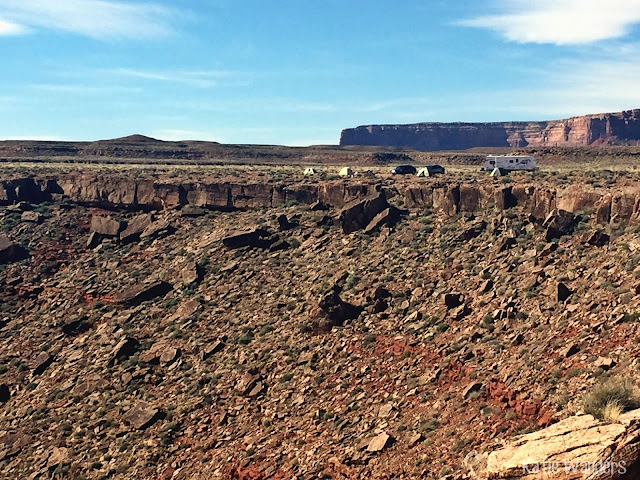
[(375, 328)]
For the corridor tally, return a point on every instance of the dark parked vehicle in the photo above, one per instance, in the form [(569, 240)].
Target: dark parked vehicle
[(435, 169), (404, 170)]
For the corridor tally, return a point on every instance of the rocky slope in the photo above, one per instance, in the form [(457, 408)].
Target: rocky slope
[(384, 328), (607, 128)]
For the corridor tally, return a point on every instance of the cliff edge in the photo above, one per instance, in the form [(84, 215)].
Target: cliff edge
[(621, 128)]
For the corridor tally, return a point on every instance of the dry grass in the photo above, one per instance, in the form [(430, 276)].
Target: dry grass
[(608, 400)]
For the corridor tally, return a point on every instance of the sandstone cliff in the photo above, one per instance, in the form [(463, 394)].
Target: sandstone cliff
[(607, 128), (619, 206)]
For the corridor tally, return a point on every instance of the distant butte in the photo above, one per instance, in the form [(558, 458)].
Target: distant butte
[(621, 128), (136, 138)]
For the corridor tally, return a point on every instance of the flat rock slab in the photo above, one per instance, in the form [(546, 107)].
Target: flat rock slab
[(212, 349), (379, 443), (41, 363), (358, 214), (107, 226), (135, 228), (577, 441), (141, 293), (142, 415), (388, 217)]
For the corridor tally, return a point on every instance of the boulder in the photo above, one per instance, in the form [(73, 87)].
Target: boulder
[(473, 231), (251, 385), (379, 443), (41, 363), (156, 230), (124, 349), (254, 238), (358, 214), (388, 217), (605, 363), (141, 293), (579, 447), (192, 274), (284, 223), (135, 228), (279, 245), (191, 211), (77, 325), (94, 240), (32, 217), (212, 349), (107, 226), (142, 415), (471, 388), (598, 239), (11, 252), (558, 223), (318, 206), (570, 350), (59, 456), (333, 311)]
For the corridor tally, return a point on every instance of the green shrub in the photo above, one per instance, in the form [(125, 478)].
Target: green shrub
[(614, 392)]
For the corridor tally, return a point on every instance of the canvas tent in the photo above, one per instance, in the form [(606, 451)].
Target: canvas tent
[(430, 171), (346, 172), (310, 171), (499, 172)]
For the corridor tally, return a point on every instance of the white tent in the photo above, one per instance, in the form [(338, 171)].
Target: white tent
[(310, 171), (346, 172), (499, 172), (423, 172)]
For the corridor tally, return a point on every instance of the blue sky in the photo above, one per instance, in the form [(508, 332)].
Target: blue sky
[(295, 73)]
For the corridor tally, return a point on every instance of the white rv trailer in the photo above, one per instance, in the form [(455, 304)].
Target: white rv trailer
[(509, 162)]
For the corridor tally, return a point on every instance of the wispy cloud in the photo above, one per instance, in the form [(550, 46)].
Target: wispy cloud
[(293, 136), (215, 134), (79, 89), (193, 78), (100, 19), (566, 22), (8, 28)]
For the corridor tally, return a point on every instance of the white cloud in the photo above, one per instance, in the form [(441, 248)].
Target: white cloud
[(8, 28), (216, 134), (194, 78), (561, 22), (101, 19)]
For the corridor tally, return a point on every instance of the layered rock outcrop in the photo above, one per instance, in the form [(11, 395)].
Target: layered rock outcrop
[(621, 205), (607, 128), (579, 447)]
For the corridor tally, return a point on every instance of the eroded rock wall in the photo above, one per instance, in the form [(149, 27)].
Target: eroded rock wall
[(607, 128), (621, 205)]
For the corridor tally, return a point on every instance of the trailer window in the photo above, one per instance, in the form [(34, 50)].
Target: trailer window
[(492, 162), (511, 161)]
